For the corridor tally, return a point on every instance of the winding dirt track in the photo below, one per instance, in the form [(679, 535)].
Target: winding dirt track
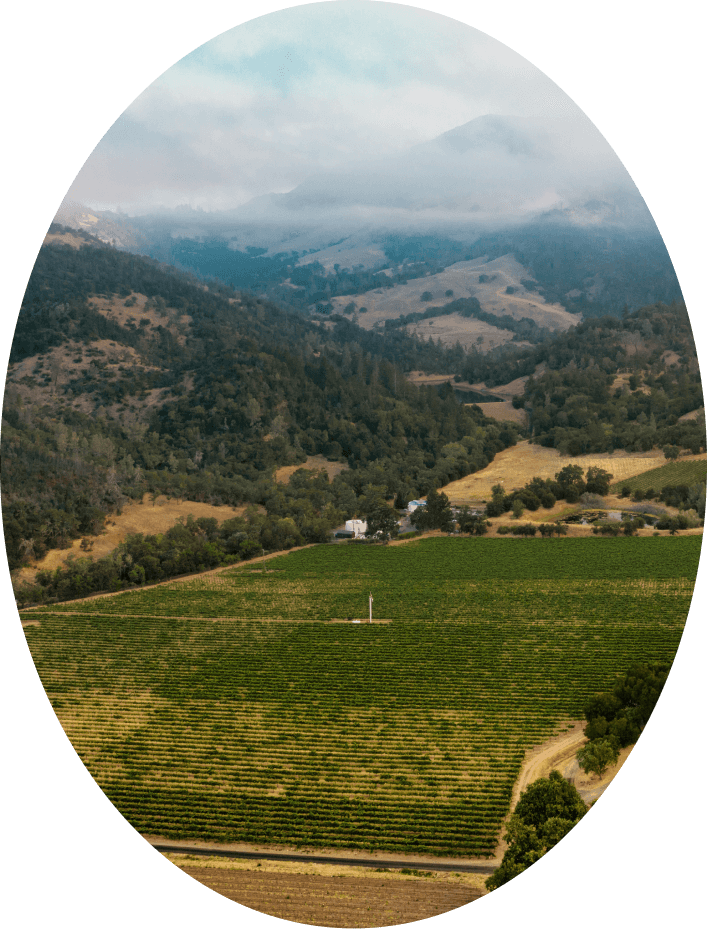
[(556, 754)]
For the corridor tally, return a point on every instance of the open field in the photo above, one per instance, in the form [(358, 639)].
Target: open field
[(333, 895), (147, 517), (63, 238), (455, 328), (504, 412), (313, 463), (462, 278), (405, 736), (514, 467)]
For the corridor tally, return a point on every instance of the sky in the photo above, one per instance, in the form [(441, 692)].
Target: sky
[(282, 98)]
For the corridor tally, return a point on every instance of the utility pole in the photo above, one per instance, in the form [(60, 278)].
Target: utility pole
[(370, 608)]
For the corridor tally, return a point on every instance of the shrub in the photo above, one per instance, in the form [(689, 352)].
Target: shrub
[(591, 501)]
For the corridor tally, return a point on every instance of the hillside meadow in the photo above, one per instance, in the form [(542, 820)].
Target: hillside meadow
[(515, 466), (234, 707)]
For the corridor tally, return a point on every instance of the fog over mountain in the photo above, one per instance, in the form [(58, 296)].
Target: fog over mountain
[(490, 172)]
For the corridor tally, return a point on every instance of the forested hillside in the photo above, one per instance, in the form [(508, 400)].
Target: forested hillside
[(127, 377)]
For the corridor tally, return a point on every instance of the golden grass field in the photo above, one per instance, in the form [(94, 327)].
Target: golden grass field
[(462, 278), (503, 412), (514, 467), (313, 463)]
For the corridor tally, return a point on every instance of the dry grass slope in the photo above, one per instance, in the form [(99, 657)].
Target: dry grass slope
[(147, 517), (515, 466)]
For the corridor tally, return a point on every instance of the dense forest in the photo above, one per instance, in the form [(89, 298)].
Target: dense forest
[(610, 383), (213, 391), (589, 272)]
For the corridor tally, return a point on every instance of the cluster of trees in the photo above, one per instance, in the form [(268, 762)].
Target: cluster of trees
[(632, 270), (679, 496), (544, 814), (616, 719), (546, 530), (282, 279), (436, 514), (569, 484), (629, 526), (635, 344), (579, 412)]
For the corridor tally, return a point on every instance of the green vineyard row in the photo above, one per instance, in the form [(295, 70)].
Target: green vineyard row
[(402, 736)]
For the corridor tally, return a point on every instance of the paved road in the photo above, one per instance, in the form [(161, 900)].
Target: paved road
[(324, 859)]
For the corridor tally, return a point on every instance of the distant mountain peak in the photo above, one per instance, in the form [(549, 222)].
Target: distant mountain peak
[(508, 133)]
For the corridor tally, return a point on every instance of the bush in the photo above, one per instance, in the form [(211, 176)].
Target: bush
[(525, 529), (607, 529), (591, 501)]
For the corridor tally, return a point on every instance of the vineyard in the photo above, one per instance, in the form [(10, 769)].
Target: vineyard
[(230, 708), (672, 473)]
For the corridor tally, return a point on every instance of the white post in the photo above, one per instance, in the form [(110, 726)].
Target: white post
[(370, 608)]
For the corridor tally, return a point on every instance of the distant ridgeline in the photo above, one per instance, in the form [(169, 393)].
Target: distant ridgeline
[(592, 272), (202, 394)]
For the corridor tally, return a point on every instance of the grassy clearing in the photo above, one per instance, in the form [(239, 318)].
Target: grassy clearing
[(406, 737), (514, 467), (504, 412), (462, 278), (313, 463)]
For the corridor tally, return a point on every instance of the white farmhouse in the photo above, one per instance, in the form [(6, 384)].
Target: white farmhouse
[(415, 505), (357, 526)]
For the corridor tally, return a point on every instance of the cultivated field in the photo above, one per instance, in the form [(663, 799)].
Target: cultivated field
[(514, 467), (692, 470), (333, 895), (229, 708)]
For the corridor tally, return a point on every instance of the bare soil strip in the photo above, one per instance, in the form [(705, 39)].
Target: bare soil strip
[(335, 900)]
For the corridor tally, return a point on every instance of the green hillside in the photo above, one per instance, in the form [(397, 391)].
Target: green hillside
[(128, 378), (231, 708)]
